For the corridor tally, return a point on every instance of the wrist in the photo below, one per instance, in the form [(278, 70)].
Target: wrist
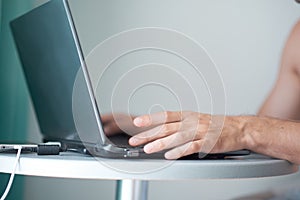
[(253, 131), (241, 126)]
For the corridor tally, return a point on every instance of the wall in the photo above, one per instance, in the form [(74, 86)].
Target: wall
[(245, 39), (0, 17), (13, 93)]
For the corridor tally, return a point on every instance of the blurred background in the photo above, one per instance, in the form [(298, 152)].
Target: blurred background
[(244, 38)]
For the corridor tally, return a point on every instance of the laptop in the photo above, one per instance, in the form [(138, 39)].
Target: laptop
[(53, 62)]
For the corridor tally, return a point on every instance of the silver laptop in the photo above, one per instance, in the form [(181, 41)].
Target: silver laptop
[(52, 60)]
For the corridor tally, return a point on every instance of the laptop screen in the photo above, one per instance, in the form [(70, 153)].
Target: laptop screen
[(50, 63)]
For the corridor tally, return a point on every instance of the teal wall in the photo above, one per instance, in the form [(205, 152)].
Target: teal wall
[(13, 93), (0, 14)]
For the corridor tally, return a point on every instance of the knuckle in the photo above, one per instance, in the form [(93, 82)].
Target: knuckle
[(145, 136), (168, 129), (183, 136), (161, 144), (195, 146), (178, 115), (166, 114), (150, 136), (164, 128), (219, 145)]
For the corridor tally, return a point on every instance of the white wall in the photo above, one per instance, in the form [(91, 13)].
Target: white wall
[(245, 39)]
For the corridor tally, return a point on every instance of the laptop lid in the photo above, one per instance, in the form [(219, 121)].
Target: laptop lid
[(51, 59)]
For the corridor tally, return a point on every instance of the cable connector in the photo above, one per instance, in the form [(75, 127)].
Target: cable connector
[(49, 148)]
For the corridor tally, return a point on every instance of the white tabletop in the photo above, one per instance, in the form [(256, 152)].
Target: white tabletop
[(73, 165)]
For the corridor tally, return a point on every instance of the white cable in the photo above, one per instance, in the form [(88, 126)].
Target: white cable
[(11, 179)]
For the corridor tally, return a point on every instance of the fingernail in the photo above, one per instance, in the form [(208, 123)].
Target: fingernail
[(170, 156), (133, 141), (138, 121), (148, 148)]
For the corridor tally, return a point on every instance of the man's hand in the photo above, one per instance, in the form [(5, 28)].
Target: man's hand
[(185, 133), (120, 123), (117, 123)]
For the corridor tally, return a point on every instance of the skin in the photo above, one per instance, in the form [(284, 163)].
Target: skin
[(274, 131), (117, 124)]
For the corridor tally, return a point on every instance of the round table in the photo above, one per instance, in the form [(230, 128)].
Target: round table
[(133, 175)]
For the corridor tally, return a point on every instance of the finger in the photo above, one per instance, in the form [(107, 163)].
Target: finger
[(181, 133), (107, 118), (174, 140), (111, 129), (184, 150), (154, 133), (157, 118), (120, 126)]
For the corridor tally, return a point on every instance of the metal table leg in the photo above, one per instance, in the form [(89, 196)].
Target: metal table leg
[(132, 190)]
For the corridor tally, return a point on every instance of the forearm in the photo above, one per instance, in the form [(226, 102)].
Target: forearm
[(273, 137)]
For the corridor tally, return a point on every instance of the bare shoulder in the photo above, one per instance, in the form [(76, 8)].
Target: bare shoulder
[(291, 55), (284, 100)]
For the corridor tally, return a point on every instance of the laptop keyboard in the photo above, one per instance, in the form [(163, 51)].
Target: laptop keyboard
[(121, 140)]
